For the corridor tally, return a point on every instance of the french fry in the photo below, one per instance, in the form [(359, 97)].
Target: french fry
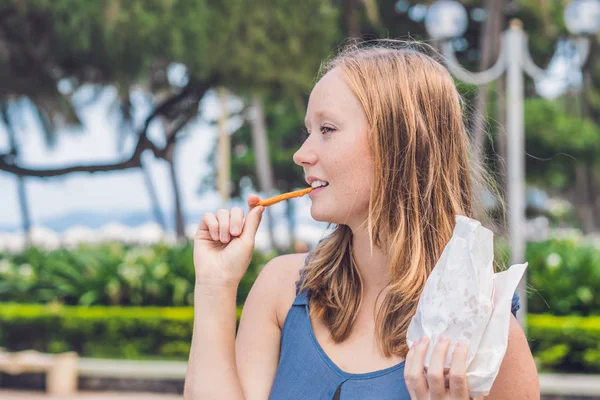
[(284, 196)]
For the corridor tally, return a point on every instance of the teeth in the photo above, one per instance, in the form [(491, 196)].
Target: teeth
[(317, 184)]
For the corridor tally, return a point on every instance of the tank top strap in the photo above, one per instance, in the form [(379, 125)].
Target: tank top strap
[(515, 304), (301, 299)]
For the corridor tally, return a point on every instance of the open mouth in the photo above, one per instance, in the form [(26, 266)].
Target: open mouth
[(319, 184)]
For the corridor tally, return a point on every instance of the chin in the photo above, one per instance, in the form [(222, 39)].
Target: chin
[(322, 215)]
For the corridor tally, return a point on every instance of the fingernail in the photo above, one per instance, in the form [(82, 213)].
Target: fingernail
[(444, 339), (235, 230), (224, 238)]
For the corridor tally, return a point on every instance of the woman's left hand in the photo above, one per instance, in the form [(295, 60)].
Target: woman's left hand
[(436, 386)]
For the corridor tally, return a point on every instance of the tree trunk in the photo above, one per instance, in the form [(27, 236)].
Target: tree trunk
[(23, 204), (264, 172), (584, 208), (224, 150), (156, 210), (351, 18), (501, 145), (592, 178), (22, 193), (149, 184), (490, 46), (179, 219), (168, 128), (595, 195), (290, 212)]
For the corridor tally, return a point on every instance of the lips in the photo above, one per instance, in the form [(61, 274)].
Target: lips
[(316, 191), (314, 181)]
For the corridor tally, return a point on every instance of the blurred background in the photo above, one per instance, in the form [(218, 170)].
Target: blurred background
[(123, 121)]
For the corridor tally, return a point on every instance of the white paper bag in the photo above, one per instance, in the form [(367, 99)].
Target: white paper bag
[(466, 301)]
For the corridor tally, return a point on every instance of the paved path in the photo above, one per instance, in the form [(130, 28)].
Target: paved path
[(551, 384), (26, 395)]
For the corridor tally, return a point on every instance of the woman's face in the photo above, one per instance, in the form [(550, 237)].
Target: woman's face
[(337, 151)]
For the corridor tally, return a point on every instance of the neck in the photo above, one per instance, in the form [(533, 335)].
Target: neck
[(372, 265)]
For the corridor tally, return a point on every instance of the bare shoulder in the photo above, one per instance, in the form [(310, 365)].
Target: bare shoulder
[(518, 376), (277, 281)]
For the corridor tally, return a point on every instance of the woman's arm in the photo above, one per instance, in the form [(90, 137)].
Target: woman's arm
[(517, 378), (221, 367), (211, 372)]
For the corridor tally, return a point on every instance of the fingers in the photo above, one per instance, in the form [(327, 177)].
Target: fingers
[(223, 218), (435, 373), (253, 200), (223, 226), (236, 221), (251, 225), (226, 224), (458, 371), (208, 224), (413, 370)]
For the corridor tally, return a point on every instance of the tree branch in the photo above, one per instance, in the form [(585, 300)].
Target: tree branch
[(194, 91), (91, 168), (172, 136)]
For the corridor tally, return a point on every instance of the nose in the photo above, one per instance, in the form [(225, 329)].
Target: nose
[(305, 155)]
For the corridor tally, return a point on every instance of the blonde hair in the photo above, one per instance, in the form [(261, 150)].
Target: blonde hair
[(424, 176)]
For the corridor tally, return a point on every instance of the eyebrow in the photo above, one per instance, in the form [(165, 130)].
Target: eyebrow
[(318, 114)]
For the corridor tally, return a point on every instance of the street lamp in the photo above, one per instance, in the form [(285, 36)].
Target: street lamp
[(447, 19)]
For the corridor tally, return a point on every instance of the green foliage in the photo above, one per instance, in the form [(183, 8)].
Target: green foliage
[(108, 274), (247, 44), (550, 130), (278, 43), (567, 344), (564, 277)]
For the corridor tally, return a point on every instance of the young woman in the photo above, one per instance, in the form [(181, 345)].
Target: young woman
[(385, 134)]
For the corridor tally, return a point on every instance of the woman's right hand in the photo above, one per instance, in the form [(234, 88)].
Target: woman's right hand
[(224, 243)]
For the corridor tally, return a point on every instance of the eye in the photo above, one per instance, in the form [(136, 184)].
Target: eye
[(326, 129)]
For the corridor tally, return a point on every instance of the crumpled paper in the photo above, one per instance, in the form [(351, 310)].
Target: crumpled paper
[(464, 299)]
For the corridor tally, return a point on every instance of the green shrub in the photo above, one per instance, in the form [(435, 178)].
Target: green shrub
[(563, 277), (568, 344), (108, 274)]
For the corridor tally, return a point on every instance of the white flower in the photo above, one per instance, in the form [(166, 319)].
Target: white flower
[(553, 261), (5, 268)]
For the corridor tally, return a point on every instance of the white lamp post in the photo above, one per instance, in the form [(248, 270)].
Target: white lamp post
[(447, 19)]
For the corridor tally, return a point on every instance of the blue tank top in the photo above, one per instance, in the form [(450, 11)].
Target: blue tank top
[(306, 372)]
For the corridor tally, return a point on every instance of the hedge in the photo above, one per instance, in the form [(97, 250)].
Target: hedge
[(570, 344), (102, 332), (567, 344)]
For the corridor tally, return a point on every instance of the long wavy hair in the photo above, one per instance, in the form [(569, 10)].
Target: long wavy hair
[(424, 175)]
